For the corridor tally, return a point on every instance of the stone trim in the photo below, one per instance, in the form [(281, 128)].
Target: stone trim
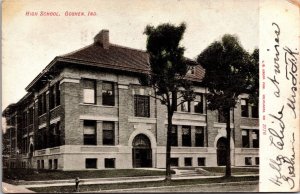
[(123, 86), (186, 122), (200, 90), (101, 118), (141, 120), (223, 125), (42, 125), (69, 80), (55, 120), (249, 127)]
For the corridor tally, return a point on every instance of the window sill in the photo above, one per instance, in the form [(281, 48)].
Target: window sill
[(97, 105), (54, 108), (44, 114), (192, 113), (250, 118)]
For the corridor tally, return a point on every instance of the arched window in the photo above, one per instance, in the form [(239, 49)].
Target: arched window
[(141, 141)]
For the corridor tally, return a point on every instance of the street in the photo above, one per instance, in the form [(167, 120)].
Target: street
[(249, 186)]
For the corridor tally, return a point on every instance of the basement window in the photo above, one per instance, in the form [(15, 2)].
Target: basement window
[(174, 161), (50, 164), (248, 161), (55, 163), (187, 161), (201, 161), (91, 163), (109, 162)]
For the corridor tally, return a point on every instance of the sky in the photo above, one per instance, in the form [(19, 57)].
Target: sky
[(29, 43)]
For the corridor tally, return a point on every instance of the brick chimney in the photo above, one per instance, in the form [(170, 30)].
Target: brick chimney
[(102, 38)]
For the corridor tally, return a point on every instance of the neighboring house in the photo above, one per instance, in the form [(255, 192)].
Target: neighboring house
[(88, 110)]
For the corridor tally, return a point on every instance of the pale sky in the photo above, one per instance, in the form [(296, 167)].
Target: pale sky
[(31, 42)]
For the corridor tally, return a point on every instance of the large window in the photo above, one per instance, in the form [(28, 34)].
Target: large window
[(141, 106), (186, 106), (54, 96), (42, 104), (174, 136), (54, 134), (57, 94), (255, 138), (89, 91), (108, 133), (198, 103), (89, 132), (245, 138), (221, 116), (41, 139), (199, 135), (254, 110), (24, 145), (244, 108), (108, 97), (186, 136), (31, 116)]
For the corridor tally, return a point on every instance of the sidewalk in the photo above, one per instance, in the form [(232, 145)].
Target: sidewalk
[(8, 188), (51, 183)]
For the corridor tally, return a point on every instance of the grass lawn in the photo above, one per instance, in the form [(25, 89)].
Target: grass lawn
[(91, 188), (31, 175)]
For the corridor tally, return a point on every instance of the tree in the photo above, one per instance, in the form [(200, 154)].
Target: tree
[(254, 77), (167, 75), (228, 74)]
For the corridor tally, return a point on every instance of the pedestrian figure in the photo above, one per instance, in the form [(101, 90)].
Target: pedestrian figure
[(77, 180)]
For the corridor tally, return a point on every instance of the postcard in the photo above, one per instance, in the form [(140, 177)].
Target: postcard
[(150, 96)]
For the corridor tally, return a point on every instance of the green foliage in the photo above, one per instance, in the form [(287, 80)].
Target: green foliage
[(167, 62), (229, 71), (254, 77)]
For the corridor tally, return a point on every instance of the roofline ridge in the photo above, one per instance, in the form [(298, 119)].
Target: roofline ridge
[(80, 49), (125, 47)]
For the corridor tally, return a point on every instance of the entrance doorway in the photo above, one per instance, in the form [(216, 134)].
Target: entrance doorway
[(141, 152), (221, 151)]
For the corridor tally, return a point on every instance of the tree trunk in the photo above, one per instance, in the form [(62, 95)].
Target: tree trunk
[(228, 133), (168, 146)]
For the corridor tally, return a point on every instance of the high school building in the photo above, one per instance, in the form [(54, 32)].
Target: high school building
[(88, 110)]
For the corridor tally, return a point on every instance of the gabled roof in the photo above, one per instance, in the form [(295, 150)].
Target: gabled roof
[(115, 57), (122, 58)]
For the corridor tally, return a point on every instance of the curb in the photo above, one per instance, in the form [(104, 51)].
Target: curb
[(129, 180)]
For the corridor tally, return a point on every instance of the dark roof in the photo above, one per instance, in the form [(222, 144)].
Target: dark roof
[(116, 57), (121, 58)]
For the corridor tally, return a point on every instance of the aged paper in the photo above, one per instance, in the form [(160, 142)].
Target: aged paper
[(279, 95), (35, 32)]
